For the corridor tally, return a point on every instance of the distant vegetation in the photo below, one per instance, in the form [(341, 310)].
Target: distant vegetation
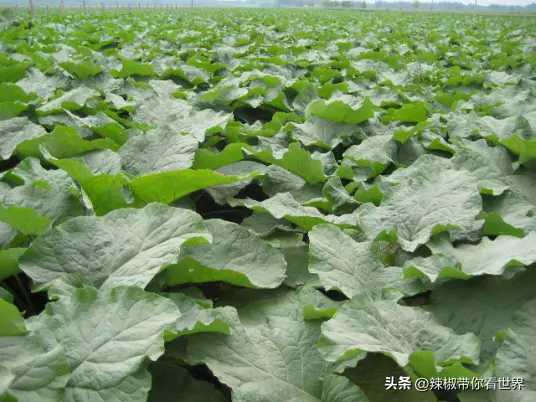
[(370, 4)]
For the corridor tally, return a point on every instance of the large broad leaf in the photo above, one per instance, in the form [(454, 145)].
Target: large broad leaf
[(337, 196), (72, 100), (490, 257), (298, 274), (322, 132), (52, 193), (296, 160), (510, 213), (513, 373), (82, 70), (351, 267), (25, 220), (11, 321), (362, 325), (7, 234), (374, 152), (372, 374), (107, 336), (284, 206), (430, 201), (482, 305), (490, 165), (264, 224), (340, 111), (159, 150), (6, 377), (14, 131), (222, 192), (516, 355), (197, 315), (63, 142), (30, 371), (40, 373), (125, 247), (104, 192), (271, 353), (235, 255), (435, 267), (164, 110), (9, 261), (166, 187)]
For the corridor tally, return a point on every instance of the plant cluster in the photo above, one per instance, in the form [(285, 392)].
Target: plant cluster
[(250, 206)]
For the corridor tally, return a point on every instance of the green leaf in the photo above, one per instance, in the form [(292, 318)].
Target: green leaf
[(489, 257), (322, 132), (363, 326), (63, 142), (9, 110), (166, 187), (106, 351), (25, 220), (490, 165), (298, 274), (263, 224), (431, 200), (125, 247), (102, 125), (71, 100), (340, 111), (509, 214), (434, 267), (482, 305), (261, 359), (408, 113), (225, 259), (14, 131), (197, 315), (6, 378), (159, 150), (353, 268), (14, 93), (374, 152), (13, 73), (222, 192), (205, 159), (9, 261), (372, 373), (41, 373), (339, 199), (284, 206), (296, 160), (105, 192), (49, 192), (526, 149), (516, 355), (11, 321), (133, 68), (82, 70), (371, 194), (339, 389)]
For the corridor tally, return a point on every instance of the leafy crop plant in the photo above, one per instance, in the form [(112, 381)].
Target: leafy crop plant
[(267, 206)]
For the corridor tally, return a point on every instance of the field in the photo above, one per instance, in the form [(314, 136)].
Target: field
[(267, 206)]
